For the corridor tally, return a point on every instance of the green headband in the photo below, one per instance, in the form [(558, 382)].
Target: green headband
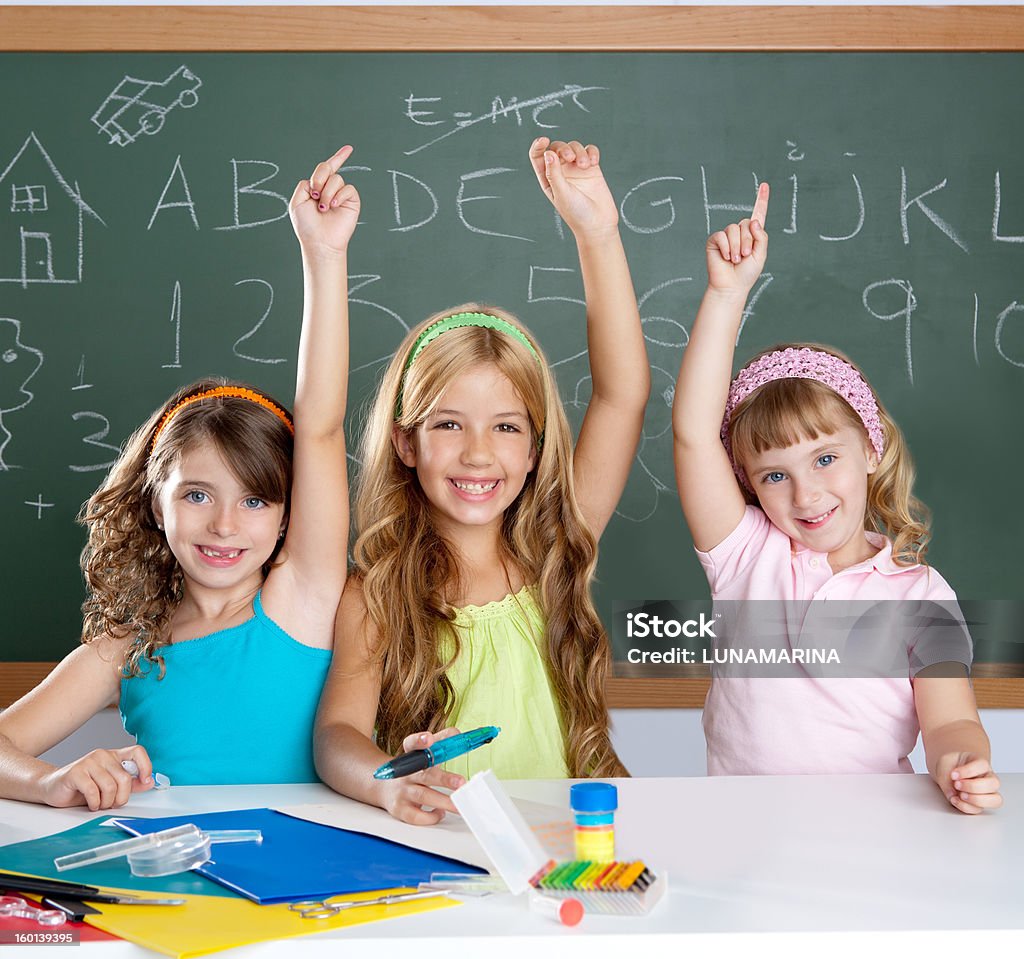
[(457, 320), (454, 322)]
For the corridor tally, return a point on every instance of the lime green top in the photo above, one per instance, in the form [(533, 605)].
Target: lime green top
[(500, 679)]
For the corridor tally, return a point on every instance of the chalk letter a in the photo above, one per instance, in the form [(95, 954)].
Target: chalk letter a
[(187, 202)]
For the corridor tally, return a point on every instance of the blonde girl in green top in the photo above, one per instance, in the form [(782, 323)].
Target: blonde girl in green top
[(477, 523)]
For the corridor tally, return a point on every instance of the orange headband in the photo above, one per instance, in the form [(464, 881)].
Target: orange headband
[(240, 392)]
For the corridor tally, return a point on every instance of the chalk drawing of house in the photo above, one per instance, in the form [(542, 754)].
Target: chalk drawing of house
[(41, 220)]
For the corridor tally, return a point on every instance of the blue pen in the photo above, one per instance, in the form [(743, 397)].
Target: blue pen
[(443, 750)]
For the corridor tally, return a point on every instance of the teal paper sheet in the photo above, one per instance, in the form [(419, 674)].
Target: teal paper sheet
[(35, 857)]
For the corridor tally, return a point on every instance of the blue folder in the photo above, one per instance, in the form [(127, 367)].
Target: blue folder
[(302, 860)]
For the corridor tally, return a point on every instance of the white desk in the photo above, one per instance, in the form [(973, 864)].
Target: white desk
[(778, 855)]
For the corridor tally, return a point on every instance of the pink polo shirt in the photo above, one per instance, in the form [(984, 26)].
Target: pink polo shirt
[(806, 725)]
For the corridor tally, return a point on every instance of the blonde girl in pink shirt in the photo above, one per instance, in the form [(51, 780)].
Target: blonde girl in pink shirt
[(796, 485)]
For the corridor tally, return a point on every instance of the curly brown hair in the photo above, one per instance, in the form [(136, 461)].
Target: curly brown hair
[(410, 575), (132, 578), (783, 411)]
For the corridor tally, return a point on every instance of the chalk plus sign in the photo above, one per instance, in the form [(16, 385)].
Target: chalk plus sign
[(39, 505)]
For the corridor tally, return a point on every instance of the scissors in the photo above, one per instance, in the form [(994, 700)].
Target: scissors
[(325, 909), (18, 908)]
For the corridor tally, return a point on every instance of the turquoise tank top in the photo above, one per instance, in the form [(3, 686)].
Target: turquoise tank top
[(236, 706)]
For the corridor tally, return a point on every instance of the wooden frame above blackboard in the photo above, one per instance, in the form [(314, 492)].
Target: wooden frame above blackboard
[(366, 28), (524, 28)]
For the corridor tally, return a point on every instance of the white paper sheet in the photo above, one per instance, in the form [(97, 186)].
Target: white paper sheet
[(450, 837)]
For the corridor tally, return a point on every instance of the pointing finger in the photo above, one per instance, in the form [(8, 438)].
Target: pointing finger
[(760, 212), (326, 169)]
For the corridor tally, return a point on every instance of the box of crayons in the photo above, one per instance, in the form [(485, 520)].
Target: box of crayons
[(617, 888), (614, 888)]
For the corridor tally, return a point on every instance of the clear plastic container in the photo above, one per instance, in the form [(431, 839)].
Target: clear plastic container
[(178, 855), (163, 853)]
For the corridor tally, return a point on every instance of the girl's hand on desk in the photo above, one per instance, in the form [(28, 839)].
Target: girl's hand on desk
[(737, 254), (98, 780), (571, 178), (405, 798), (969, 782), (325, 209)]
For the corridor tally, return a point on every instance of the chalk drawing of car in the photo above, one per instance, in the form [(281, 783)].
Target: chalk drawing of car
[(140, 106)]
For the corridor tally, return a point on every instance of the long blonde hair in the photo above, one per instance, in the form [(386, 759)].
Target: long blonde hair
[(784, 411), (133, 581), (410, 574)]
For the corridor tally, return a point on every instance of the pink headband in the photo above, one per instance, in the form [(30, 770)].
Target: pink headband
[(805, 364)]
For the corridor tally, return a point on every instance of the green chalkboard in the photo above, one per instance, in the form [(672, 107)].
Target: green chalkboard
[(143, 242)]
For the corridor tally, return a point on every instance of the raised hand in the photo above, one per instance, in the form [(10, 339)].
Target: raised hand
[(98, 780), (571, 178), (405, 798), (737, 254), (325, 209)]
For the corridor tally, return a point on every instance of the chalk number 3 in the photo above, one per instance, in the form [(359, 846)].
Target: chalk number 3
[(95, 439)]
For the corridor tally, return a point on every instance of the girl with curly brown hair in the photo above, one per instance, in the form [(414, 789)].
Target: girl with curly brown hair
[(214, 566)]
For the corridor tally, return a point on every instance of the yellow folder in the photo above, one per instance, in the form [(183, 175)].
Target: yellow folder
[(208, 924)]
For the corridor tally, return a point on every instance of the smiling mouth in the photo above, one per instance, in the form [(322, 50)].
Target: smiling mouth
[(222, 555), (475, 489), (816, 521)]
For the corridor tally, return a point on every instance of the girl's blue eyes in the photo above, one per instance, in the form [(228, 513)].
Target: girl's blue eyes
[(777, 476), (198, 497)]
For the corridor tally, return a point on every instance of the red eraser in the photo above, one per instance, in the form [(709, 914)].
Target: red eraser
[(570, 912)]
